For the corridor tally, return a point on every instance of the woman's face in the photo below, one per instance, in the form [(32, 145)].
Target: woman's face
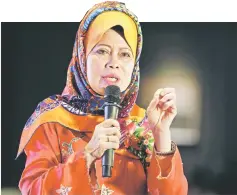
[(110, 62)]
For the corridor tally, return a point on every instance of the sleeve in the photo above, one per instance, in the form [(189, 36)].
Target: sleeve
[(165, 175), (45, 175)]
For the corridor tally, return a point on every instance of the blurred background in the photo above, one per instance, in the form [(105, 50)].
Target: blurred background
[(198, 59)]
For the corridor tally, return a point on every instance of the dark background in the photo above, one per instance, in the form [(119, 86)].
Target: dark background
[(35, 57)]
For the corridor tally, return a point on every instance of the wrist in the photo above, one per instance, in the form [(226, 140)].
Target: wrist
[(89, 159), (162, 140), (167, 153), (88, 155)]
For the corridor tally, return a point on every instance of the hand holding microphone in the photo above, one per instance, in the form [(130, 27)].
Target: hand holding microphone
[(107, 134)]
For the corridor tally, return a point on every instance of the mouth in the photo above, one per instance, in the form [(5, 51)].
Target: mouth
[(111, 79)]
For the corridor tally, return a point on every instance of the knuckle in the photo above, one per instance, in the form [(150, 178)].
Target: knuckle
[(117, 132), (100, 124), (111, 120), (156, 94), (108, 120), (119, 135), (116, 123), (117, 139), (98, 127)]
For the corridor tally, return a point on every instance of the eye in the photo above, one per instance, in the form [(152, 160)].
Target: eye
[(126, 54), (102, 51)]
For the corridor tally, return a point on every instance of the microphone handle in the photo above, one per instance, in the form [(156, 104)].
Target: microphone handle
[(110, 112)]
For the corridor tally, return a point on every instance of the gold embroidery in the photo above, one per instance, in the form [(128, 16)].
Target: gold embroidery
[(106, 191), (69, 149), (69, 145), (63, 190)]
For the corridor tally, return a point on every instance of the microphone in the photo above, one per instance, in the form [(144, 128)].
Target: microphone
[(111, 110)]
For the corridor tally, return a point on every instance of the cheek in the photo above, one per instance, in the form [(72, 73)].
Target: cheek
[(127, 75), (94, 67), (128, 71)]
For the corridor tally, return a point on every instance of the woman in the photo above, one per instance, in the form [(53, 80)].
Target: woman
[(67, 135)]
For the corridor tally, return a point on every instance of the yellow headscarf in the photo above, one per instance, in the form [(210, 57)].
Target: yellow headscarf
[(113, 18)]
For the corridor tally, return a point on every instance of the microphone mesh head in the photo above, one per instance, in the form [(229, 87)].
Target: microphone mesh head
[(112, 94)]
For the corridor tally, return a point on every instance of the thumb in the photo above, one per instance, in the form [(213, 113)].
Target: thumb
[(152, 105)]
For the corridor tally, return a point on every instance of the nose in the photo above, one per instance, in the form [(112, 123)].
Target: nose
[(113, 62), (113, 66)]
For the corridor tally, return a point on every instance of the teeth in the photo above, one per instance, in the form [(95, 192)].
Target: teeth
[(111, 79)]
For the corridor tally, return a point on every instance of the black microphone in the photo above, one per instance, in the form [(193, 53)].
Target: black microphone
[(111, 110)]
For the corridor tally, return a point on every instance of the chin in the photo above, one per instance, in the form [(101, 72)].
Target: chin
[(101, 89)]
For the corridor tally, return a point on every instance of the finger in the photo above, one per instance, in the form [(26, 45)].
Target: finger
[(154, 101), (158, 93), (109, 145), (169, 104), (110, 123), (168, 97), (153, 104), (98, 153), (173, 110), (111, 131), (114, 139), (167, 90)]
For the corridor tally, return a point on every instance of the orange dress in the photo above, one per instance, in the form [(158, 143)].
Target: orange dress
[(56, 163), (55, 135)]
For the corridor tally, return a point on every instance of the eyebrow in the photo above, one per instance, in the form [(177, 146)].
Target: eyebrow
[(110, 46)]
